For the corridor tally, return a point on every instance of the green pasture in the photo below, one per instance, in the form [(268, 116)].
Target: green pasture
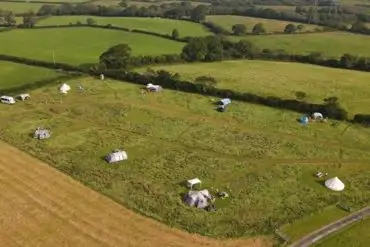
[(19, 7), (284, 80), (140, 3), (271, 26), (315, 42), (158, 25), (80, 45), (260, 155), (15, 75), (357, 235), (284, 8)]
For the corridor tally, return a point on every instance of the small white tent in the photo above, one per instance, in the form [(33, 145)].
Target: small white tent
[(153, 88), (317, 116), (116, 156), (198, 199), (64, 88), (225, 102), (41, 134), (334, 184)]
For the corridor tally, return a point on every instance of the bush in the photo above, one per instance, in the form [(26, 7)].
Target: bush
[(362, 118)]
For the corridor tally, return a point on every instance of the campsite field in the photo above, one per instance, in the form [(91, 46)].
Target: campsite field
[(20, 7), (357, 235), (284, 80), (15, 75), (260, 155), (44, 207), (227, 21), (315, 42), (80, 45), (162, 26)]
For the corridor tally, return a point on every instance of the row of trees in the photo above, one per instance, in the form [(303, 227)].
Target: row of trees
[(241, 29), (7, 18)]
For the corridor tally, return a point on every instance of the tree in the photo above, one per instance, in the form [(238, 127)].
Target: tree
[(259, 29), (116, 57), (290, 28), (198, 14), (90, 21), (29, 20), (9, 19), (195, 50), (244, 48), (239, 29), (214, 48), (175, 34), (300, 27), (123, 4)]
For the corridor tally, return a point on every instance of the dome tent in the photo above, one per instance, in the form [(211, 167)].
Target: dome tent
[(198, 199), (334, 184), (116, 156), (317, 116), (41, 133), (64, 88)]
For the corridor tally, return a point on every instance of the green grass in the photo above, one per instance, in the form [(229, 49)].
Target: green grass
[(357, 235), (227, 21), (285, 79), (14, 75), (158, 25), (262, 156), (316, 42), (141, 4), (80, 45), (18, 7)]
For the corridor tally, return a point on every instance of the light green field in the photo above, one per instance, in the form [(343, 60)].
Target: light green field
[(14, 75), (357, 235), (18, 7), (315, 42), (227, 21), (260, 155), (162, 26), (285, 79), (140, 4), (80, 45)]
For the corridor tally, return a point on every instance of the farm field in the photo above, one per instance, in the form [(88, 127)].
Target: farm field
[(80, 45), (259, 155), (227, 21), (139, 3), (357, 235), (19, 7), (15, 75), (315, 42), (284, 80), (162, 26), (44, 207)]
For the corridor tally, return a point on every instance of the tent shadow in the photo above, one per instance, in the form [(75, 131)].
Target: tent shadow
[(103, 158), (183, 184), (321, 182)]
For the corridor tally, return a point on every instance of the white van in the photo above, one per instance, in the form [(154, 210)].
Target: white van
[(7, 100)]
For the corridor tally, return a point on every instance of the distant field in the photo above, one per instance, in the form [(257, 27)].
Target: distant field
[(278, 7), (357, 235), (80, 45), (285, 79), (18, 7), (141, 4), (14, 75), (315, 42), (162, 26), (227, 21)]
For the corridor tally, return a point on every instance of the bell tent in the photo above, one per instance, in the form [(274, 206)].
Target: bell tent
[(317, 116), (64, 88), (116, 156), (41, 134), (198, 199), (334, 184)]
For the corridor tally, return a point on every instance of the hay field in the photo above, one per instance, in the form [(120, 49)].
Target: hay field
[(357, 235), (285, 79), (259, 155), (43, 207), (80, 45), (162, 26), (19, 7), (14, 75), (315, 42), (227, 21)]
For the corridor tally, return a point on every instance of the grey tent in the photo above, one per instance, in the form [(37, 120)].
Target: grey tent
[(198, 199), (41, 134), (116, 156)]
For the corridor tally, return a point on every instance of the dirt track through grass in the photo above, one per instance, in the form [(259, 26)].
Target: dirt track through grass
[(41, 206)]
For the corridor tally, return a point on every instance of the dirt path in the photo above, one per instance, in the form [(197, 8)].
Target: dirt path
[(42, 207)]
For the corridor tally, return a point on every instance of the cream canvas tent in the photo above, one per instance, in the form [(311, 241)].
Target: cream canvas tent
[(198, 199), (334, 184), (64, 88), (116, 156), (317, 116)]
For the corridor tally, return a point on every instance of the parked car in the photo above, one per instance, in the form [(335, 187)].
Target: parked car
[(7, 100)]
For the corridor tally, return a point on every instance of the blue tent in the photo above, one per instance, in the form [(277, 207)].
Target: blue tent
[(304, 119)]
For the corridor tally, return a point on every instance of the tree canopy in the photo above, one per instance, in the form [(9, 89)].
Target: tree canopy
[(116, 57)]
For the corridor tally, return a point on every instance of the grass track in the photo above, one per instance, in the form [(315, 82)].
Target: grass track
[(265, 156), (80, 45), (162, 26)]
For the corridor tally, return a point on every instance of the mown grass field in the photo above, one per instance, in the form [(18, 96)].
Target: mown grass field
[(14, 75), (260, 155), (80, 45), (315, 42), (162, 26), (357, 235), (284, 80), (19, 7), (227, 21)]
